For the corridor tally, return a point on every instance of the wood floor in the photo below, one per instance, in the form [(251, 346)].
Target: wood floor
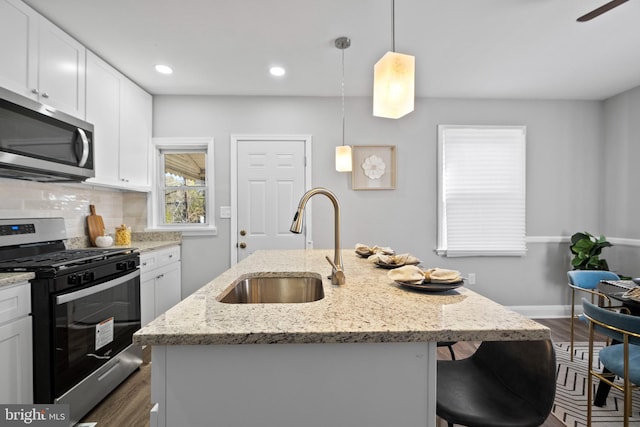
[(129, 404)]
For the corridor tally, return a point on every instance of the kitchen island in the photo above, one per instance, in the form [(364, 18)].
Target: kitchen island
[(365, 354)]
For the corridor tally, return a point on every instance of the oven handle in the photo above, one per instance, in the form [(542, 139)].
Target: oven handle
[(71, 296)]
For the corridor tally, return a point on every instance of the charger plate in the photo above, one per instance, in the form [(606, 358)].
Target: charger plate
[(432, 287), (392, 266)]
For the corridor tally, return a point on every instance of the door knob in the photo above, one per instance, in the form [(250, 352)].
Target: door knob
[(243, 245), (243, 233)]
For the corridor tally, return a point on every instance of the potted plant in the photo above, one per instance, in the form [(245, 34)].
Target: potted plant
[(586, 250)]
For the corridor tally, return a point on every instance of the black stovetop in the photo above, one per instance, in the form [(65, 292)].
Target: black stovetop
[(38, 245), (60, 259)]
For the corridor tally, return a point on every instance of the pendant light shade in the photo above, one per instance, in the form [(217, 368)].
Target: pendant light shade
[(343, 158), (343, 152), (394, 80), (393, 85)]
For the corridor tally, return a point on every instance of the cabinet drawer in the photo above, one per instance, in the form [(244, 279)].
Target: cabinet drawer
[(169, 255), (148, 261), (15, 301), (151, 260)]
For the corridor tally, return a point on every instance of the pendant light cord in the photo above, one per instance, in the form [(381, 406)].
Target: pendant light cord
[(342, 43), (343, 97), (393, 25)]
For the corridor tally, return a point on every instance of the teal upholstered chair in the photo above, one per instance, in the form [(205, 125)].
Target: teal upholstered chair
[(585, 281), (621, 358)]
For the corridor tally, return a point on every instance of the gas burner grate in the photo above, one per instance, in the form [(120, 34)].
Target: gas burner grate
[(59, 259)]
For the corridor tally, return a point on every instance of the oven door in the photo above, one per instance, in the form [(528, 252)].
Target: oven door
[(93, 325)]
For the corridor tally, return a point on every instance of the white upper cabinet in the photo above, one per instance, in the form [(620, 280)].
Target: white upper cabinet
[(103, 111), (61, 70), (135, 135), (39, 60), (121, 114), (18, 34)]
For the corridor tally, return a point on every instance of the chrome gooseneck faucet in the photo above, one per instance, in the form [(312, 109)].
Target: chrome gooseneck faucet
[(337, 272)]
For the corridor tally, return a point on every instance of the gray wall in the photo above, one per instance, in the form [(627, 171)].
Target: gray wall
[(564, 139)]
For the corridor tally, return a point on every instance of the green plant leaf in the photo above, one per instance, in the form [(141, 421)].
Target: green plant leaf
[(583, 246), (580, 236), (587, 249)]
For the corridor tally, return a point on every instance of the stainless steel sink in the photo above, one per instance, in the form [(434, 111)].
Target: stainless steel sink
[(262, 289)]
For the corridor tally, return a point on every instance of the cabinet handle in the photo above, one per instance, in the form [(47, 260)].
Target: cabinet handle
[(144, 264), (45, 95), (171, 256), (35, 91), (160, 276)]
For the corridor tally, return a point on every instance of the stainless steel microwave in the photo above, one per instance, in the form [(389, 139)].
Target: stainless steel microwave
[(39, 143)]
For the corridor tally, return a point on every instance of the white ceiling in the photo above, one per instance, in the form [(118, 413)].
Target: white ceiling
[(531, 49)]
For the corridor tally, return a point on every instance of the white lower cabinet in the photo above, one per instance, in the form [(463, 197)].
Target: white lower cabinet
[(160, 282), (16, 360)]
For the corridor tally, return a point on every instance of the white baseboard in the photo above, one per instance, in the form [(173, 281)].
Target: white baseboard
[(544, 311)]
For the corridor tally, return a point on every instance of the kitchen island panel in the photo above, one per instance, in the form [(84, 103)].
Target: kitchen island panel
[(311, 385)]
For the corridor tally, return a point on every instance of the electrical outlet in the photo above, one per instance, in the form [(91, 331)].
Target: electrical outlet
[(472, 279)]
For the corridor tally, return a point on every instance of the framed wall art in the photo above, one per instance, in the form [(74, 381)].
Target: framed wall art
[(374, 167)]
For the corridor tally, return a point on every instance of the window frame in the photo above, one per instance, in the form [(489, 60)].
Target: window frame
[(443, 243), (155, 207)]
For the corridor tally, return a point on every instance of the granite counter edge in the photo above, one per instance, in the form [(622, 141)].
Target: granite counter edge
[(541, 333)]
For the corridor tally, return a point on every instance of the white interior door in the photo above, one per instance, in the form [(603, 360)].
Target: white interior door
[(271, 177)]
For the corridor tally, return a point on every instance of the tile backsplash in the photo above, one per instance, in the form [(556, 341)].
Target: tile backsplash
[(24, 199), (134, 210)]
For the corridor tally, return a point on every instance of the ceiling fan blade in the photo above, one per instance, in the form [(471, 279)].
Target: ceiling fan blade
[(602, 9)]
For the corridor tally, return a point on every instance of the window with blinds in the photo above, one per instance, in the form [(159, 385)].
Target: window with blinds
[(481, 191)]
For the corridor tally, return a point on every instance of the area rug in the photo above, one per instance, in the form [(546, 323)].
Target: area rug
[(570, 405)]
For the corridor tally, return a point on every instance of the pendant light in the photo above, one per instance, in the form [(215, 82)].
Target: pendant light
[(393, 80), (343, 152)]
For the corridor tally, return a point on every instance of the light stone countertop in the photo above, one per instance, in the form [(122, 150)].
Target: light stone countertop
[(369, 308), (8, 279), (150, 245)]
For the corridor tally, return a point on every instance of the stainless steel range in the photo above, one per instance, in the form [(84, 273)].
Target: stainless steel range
[(85, 306)]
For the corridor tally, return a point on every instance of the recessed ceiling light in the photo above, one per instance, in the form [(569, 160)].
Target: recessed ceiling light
[(277, 71), (164, 69)]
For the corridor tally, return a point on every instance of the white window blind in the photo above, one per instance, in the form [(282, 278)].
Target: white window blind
[(481, 190)]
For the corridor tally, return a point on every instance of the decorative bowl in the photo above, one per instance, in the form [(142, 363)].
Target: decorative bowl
[(104, 241)]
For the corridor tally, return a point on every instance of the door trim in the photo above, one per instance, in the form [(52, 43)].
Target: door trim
[(233, 149)]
